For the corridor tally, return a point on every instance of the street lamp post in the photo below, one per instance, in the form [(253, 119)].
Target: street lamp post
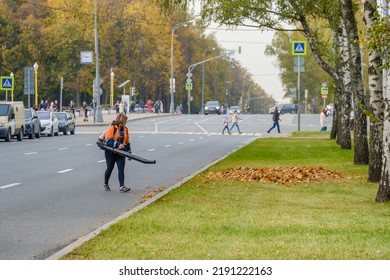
[(61, 88), (192, 66), (112, 89), (96, 92), (12, 90), (172, 106), (36, 82)]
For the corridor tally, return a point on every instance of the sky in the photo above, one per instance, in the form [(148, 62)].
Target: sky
[(253, 43), (252, 57)]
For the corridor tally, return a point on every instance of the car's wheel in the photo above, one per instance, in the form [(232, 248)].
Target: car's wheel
[(19, 137), (31, 135), (66, 130), (51, 132), (38, 134), (8, 136), (282, 111)]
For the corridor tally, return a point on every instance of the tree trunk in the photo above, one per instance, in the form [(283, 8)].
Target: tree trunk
[(383, 193), (375, 80), (344, 104), (360, 122)]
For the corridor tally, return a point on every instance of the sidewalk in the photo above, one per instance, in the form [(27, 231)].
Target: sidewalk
[(109, 117)]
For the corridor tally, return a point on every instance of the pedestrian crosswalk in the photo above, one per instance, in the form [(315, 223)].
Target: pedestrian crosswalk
[(181, 133)]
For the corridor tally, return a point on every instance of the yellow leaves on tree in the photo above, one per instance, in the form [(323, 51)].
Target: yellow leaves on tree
[(277, 175)]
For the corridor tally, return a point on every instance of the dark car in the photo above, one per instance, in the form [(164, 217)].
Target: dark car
[(284, 108), (32, 125), (212, 107), (66, 122)]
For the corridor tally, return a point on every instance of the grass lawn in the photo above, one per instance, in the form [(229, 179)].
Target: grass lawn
[(210, 218)]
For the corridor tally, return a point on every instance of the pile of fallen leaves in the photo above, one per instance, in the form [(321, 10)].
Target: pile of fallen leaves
[(278, 175)]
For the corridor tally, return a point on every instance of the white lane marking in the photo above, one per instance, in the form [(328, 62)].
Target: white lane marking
[(180, 143), (192, 140), (10, 185), (151, 150), (103, 160), (31, 153), (63, 149), (86, 145), (167, 146), (64, 171), (204, 130)]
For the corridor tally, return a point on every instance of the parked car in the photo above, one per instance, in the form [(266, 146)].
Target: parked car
[(49, 123), (212, 107), (235, 108), (11, 120), (284, 108), (66, 122), (32, 125)]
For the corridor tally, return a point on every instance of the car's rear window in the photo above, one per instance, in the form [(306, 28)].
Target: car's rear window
[(27, 114), (61, 116), (43, 115)]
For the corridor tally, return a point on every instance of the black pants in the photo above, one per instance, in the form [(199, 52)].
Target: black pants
[(111, 159)]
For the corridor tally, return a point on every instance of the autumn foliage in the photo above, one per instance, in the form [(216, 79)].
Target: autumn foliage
[(278, 175)]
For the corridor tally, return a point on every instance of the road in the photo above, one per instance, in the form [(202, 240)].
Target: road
[(51, 191)]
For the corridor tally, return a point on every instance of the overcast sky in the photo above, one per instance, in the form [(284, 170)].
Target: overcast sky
[(252, 57)]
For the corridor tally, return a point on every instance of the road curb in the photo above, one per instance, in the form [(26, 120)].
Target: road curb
[(69, 248)]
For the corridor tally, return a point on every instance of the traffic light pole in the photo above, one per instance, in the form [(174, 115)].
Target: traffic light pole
[(192, 67)]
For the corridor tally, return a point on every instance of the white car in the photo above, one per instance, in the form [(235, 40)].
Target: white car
[(49, 123), (235, 108)]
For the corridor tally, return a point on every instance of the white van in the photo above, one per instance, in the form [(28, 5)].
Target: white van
[(11, 120)]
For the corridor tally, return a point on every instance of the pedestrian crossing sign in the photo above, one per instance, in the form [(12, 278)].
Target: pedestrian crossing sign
[(7, 83), (188, 86), (298, 47)]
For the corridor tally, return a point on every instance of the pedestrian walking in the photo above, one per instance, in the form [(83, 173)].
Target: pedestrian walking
[(71, 109), (117, 136), (323, 119), (226, 122), (235, 119), (275, 119), (85, 110)]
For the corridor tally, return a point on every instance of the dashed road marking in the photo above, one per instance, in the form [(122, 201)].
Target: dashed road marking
[(10, 185), (64, 171), (30, 153)]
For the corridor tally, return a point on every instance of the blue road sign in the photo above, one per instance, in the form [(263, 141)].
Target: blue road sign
[(298, 48), (7, 83)]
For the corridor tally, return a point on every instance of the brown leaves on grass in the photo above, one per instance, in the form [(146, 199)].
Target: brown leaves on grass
[(152, 193), (278, 175)]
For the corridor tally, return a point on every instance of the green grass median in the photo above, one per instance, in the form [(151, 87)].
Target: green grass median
[(276, 198)]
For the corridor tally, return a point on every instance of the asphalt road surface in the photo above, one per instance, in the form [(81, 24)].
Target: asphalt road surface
[(51, 189)]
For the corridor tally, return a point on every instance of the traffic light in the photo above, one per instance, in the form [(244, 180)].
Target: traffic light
[(133, 91)]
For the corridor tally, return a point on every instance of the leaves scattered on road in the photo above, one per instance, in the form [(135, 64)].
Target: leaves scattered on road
[(278, 175), (152, 193)]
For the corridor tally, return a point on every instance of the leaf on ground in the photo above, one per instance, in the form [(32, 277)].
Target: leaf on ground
[(278, 175), (152, 193)]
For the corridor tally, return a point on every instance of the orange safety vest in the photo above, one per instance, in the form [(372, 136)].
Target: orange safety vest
[(115, 129)]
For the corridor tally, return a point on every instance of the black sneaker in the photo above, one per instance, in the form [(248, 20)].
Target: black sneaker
[(124, 189), (107, 187)]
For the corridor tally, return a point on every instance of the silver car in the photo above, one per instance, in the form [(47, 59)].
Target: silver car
[(66, 122)]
